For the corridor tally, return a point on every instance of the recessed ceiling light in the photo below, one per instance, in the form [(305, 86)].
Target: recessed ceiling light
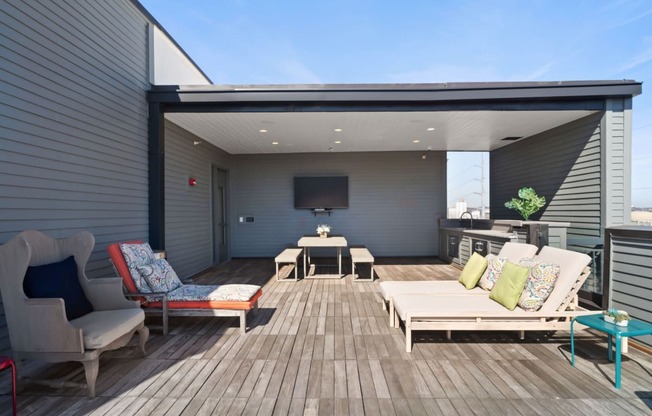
[(338, 141), (430, 129), (338, 130), (274, 143), (416, 141), (263, 130)]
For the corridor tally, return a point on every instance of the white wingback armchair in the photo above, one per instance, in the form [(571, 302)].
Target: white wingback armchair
[(39, 327)]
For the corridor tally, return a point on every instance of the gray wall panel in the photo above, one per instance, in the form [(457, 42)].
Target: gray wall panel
[(188, 210), (394, 201), (631, 282), (570, 157), (73, 122)]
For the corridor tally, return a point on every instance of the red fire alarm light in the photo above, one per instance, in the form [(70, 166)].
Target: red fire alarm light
[(192, 181)]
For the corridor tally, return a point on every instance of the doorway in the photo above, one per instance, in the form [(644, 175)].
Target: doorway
[(220, 223)]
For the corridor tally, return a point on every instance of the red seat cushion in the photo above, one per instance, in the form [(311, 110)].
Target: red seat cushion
[(121, 265)]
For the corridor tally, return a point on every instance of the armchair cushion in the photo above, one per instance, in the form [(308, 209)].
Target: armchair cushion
[(58, 280), (99, 329), (160, 276), (137, 255)]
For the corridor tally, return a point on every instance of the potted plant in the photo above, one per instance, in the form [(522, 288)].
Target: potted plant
[(527, 203), (615, 316), (323, 230)]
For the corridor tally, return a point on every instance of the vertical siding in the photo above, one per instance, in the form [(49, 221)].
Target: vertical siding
[(616, 184), (631, 282), (73, 122), (188, 210), (394, 201), (563, 164)]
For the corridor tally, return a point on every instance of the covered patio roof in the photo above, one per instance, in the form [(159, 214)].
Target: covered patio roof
[(251, 119)]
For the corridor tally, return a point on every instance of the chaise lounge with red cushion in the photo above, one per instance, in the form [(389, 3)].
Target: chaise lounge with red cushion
[(156, 285)]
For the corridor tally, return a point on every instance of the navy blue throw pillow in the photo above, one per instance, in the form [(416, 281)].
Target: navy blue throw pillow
[(58, 280)]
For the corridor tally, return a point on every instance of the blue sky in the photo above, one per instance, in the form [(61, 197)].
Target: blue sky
[(290, 42)]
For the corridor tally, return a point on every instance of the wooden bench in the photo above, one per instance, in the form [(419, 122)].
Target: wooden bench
[(289, 256), (361, 255)]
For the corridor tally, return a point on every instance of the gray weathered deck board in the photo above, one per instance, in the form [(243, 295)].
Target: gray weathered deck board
[(325, 347)]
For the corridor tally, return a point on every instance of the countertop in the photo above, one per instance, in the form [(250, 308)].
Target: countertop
[(485, 233)]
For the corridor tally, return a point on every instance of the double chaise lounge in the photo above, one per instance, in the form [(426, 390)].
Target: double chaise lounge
[(449, 306), (511, 251)]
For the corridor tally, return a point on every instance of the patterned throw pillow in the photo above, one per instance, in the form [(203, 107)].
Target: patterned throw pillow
[(495, 266), (137, 255), (539, 285), (160, 276)]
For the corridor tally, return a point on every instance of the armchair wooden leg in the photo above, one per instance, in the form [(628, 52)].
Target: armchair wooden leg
[(91, 368), (143, 335)]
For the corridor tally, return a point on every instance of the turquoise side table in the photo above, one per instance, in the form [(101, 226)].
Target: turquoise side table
[(633, 329)]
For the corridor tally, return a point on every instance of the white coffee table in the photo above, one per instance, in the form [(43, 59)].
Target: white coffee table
[(307, 242)]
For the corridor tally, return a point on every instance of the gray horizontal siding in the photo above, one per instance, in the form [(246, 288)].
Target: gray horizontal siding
[(570, 158), (188, 210), (394, 200), (73, 122), (631, 282)]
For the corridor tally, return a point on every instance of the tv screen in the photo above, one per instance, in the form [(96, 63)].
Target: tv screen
[(317, 192)]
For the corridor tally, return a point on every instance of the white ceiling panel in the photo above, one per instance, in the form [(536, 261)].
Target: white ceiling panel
[(306, 132)]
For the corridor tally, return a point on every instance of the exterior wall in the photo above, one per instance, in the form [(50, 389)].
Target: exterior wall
[(188, 210), (628, 265), (395, 200), (73, 122), (616, 162), (562, 164), (169, 64)]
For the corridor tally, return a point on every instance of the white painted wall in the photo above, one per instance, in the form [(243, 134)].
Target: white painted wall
[(168, 64)]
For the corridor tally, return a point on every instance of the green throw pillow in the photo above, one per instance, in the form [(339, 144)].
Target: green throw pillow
[(510, 285), (473, 271)]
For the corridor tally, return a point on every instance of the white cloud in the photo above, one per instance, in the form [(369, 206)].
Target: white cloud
[(536, 74), (641, 58), (445, 73), (297, 73)]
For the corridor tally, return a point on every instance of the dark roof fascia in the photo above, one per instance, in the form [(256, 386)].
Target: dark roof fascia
[(156, 23), (397, 93)]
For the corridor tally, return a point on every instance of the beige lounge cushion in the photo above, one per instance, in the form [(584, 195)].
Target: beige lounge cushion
[(391, 288), (571, 264), (516, 251), (429, 304), (100, 328)]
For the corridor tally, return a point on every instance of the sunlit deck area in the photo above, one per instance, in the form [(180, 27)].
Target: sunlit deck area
[(325, 347)]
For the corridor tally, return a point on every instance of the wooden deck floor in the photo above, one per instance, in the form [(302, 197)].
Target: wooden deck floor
[(325, 347)]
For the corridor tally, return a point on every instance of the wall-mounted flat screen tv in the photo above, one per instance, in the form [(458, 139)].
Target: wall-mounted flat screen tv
[(321, 192)]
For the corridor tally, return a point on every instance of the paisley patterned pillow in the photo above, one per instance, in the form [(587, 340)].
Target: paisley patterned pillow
[(230, 292), (539, 285), (138, 255), (494, 268), (160, 276)]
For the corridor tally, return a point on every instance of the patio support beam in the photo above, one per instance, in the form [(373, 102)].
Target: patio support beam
[(156, 154)]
